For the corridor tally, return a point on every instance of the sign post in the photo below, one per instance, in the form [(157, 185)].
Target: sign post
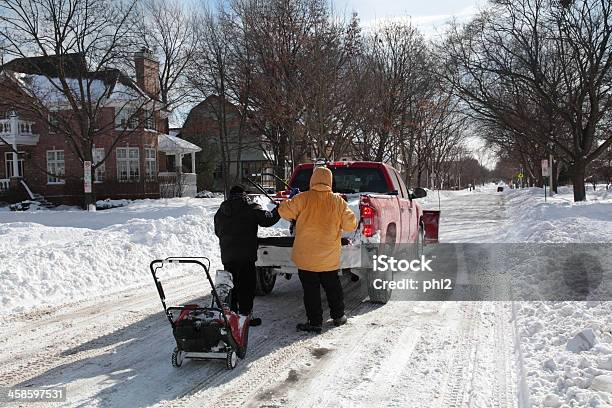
[(87, 182), (520, 176), (545, 173)]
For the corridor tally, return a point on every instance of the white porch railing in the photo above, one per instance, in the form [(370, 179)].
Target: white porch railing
[(5, 184), (15, 131), (171, 185)]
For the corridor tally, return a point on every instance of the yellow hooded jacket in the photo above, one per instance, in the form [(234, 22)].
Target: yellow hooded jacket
[(320, 216)]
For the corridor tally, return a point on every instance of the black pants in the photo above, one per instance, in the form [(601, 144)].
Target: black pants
[(311, 283), (243, 293)]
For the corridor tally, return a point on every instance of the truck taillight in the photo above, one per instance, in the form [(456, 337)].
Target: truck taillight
[(367, 213), (368, 231)]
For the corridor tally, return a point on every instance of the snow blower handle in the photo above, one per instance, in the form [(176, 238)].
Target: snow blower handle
[(260, 188), (159, 263)]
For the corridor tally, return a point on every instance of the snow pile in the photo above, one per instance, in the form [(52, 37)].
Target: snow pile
[(558, 219), (566, 346), (108, 203), (55, 257), (208, 194)]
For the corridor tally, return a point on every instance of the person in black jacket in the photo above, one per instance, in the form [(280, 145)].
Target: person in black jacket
[(236, 224)]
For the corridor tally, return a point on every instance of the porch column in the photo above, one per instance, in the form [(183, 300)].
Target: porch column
[(178, 162), (15, 133), (193, 169)]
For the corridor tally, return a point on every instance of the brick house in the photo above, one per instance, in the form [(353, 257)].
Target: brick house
[(139, 154), (202, 128)]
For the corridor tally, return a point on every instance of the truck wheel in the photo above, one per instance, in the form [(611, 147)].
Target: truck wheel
[(417, 247), (382, 295), (379, 295), (264, 281)]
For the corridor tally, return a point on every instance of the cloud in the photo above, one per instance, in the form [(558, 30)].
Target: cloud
[(429, 25)]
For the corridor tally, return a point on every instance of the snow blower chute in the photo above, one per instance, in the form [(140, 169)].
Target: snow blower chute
[(205, 332)]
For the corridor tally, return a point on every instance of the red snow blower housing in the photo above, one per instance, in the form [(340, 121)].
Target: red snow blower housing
[(202, 333)]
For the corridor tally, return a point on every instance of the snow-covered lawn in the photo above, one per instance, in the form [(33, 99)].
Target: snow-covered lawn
[(54, 257)]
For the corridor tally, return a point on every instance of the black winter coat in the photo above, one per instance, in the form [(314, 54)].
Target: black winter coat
[(236, 224)]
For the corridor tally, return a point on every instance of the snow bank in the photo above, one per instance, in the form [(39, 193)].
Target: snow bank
[(567, 346), (55, 257), (558, 219)]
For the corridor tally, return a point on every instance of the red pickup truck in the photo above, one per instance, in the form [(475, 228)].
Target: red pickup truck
[(388, 215)]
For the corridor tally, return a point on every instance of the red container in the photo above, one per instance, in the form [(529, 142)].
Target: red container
[(431, 219)]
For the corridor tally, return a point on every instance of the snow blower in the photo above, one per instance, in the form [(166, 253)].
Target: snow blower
[(205, 332)]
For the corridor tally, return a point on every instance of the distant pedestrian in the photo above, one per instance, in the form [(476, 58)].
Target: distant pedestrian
[(236, 225), (320, 216)]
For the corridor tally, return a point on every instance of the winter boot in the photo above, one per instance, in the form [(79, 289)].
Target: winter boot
[(307, 327), (340, 321), (255, 321)]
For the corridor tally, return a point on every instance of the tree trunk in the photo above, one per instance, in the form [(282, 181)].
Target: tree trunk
[(279, 165), (579, 185), (554, 168)]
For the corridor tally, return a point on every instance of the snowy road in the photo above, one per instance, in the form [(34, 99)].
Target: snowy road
[(115, 350)]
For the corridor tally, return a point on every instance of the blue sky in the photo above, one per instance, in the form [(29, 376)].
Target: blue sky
[(429, 15)]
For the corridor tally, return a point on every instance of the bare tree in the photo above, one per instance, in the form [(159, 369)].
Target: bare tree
[(168, 28), (79, 42), (543, 70)]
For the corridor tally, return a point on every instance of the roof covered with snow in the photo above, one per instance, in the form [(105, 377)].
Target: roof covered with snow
[(39, 76), (175, 145)]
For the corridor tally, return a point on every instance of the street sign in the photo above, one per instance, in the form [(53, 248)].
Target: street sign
[(545, 168), (520, 176), (87, 176)]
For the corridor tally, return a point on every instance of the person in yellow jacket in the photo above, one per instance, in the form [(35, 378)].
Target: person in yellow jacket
[(320, 217)]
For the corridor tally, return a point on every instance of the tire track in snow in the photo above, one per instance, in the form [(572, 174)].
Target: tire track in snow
[(462, 365), (504, 395), (267, 360), (69, 343)]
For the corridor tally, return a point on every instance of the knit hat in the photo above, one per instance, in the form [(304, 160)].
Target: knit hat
[(236, 190)]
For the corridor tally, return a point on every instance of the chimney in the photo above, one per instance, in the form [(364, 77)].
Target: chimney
[(147, 71)]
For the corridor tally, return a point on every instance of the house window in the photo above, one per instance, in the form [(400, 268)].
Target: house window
[(150, 163), (128, 164), (55, 166), (53, 122), (8, 160), (97, 154), (126, 118), (149, 119)]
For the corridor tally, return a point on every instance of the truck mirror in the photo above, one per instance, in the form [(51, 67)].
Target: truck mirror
[(418, 193)]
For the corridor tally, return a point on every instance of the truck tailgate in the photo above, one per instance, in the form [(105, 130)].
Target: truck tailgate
[(275, 252)]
